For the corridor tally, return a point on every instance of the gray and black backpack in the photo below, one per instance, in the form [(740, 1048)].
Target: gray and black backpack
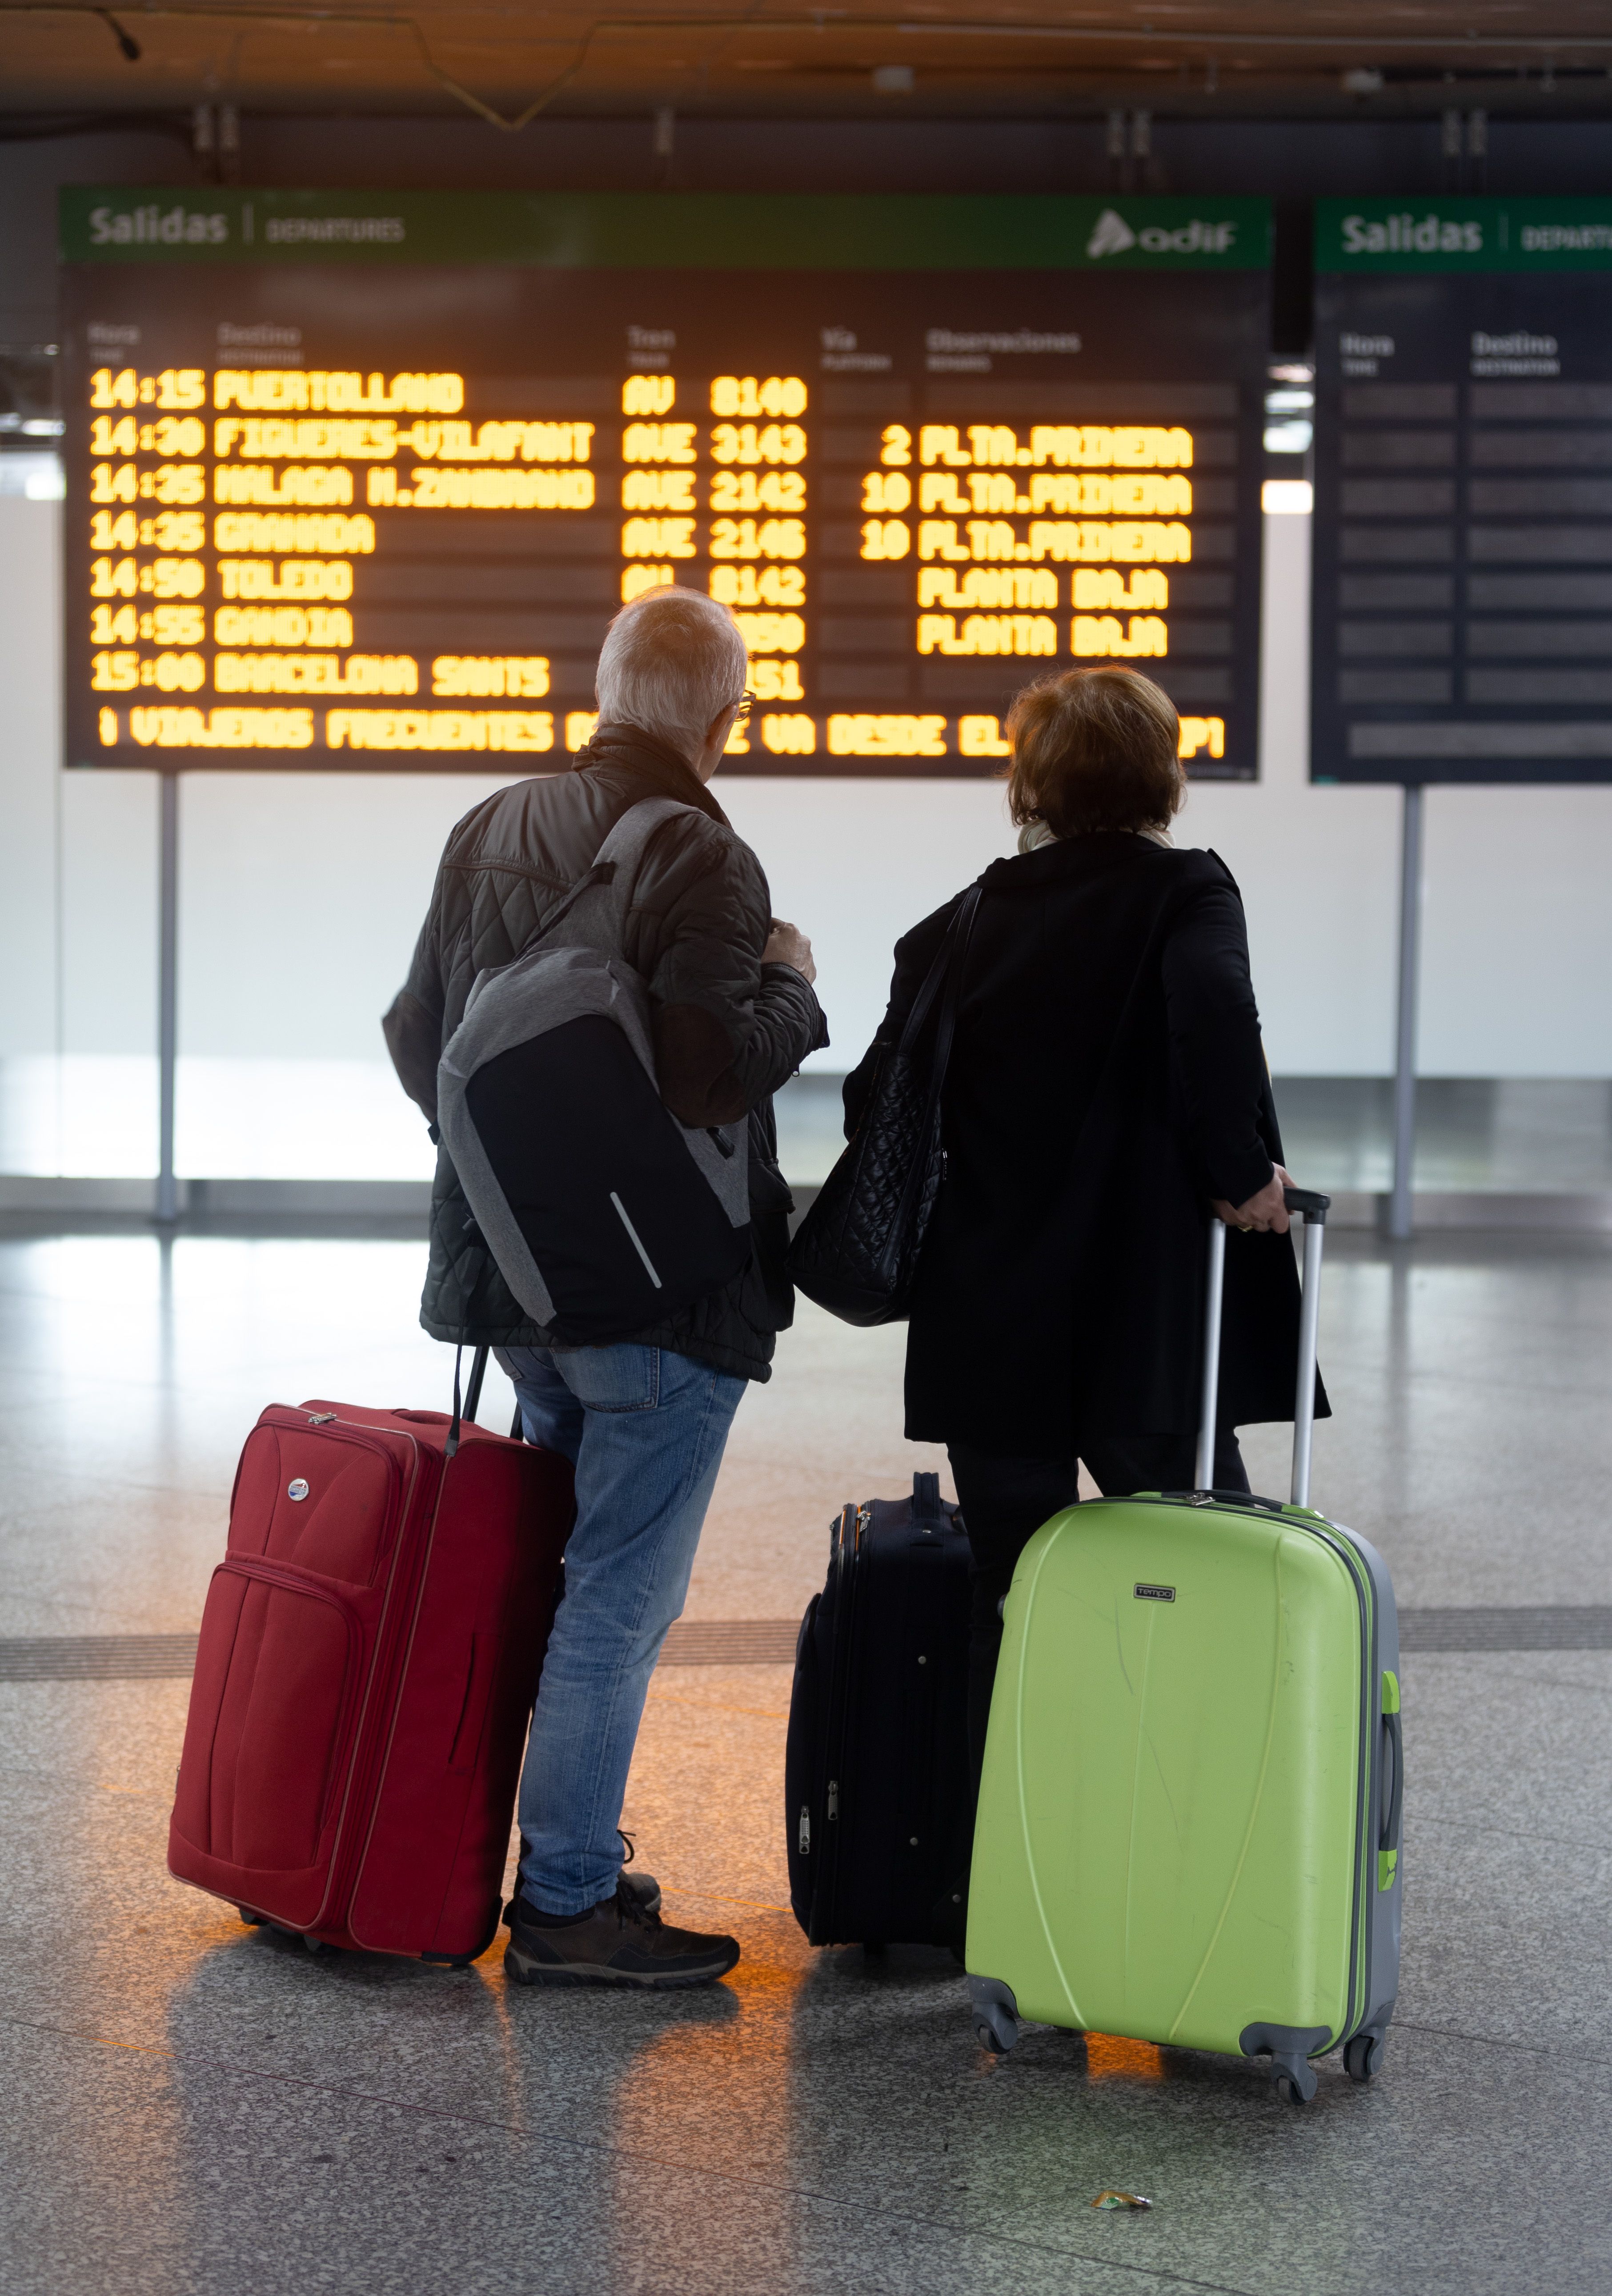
[(603, 1214)]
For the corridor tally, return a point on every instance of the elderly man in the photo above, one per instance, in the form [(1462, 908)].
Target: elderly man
[(644, 1421)]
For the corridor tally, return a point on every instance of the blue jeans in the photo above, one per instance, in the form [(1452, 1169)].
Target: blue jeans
[(644, 1430)]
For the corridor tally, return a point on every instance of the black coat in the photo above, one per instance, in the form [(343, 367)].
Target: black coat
[(728, 1029), (1107, 1080)]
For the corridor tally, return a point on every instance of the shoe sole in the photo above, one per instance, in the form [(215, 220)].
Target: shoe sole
[(526, 1971)]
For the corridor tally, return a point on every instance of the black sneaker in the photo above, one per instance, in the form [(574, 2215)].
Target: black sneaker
[(644, 1887), (619, 1943)]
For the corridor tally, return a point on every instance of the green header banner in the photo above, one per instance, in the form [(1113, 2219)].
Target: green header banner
[(709, 231), (1484, 234)]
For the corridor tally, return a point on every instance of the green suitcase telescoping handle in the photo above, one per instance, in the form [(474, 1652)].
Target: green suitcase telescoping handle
[(1312, 1209)]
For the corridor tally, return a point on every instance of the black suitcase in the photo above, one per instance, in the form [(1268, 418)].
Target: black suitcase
[(877, 1770)]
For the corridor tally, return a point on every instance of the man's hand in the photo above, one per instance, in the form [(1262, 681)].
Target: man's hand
[(1265, 1212), (788, 945)]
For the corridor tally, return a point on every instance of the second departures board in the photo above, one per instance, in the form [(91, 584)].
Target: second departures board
[(358, 482), (1462, 599)]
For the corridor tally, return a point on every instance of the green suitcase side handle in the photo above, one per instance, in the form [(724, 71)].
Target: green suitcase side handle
[(1394, 1753)]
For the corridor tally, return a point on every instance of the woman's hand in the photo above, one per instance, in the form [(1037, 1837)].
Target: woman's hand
[(788, 945), (1264, 1213)]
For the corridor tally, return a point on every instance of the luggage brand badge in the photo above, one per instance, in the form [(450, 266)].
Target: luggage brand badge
[(297, 1490), (1146, 1593)]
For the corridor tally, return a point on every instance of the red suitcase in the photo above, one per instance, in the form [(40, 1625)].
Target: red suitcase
[(369, 1653)]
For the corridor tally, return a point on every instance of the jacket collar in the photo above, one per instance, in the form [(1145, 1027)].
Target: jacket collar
[(1066, 857), (629, 750)]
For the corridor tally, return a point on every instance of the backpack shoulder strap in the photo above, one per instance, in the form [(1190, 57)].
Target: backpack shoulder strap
[(620, 857), (611, 877), (625, 846)]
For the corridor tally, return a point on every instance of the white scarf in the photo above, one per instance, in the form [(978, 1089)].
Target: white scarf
[(1036, 834)]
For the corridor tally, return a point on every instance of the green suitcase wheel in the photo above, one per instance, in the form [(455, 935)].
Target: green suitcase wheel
[(1363, 2056)]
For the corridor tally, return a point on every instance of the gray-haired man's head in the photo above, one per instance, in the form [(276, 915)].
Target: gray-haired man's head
[(672, 663)]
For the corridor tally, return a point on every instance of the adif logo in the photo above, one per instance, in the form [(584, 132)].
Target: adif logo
[(1111, 235)]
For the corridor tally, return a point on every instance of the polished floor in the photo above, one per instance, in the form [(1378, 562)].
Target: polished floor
[(187, 2106)]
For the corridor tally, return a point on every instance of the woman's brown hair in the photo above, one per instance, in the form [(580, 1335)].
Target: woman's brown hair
[(1095, 749)]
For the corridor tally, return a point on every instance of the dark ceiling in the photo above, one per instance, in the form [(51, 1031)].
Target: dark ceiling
[(1303, 59)]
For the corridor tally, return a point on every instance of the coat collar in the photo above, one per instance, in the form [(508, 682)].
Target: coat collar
[(651, 761), (1066, 857)]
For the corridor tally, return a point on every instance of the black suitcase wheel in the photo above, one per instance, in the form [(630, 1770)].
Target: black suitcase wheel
[(1362, 2055), (1289, 2090), (253, 1920)]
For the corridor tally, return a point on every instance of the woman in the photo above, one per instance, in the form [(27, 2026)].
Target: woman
[(1107, 1087)]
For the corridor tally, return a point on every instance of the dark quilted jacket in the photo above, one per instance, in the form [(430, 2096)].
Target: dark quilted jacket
[(728, 1029)]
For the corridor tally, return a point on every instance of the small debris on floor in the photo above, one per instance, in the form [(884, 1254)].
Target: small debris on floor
[(1112, 2200)]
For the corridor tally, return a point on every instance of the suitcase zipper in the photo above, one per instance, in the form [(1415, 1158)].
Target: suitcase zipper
[(1369, 1783), (853, 1523), (1362, 1927)]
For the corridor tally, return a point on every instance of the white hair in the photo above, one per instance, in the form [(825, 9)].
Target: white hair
[(671, 662)]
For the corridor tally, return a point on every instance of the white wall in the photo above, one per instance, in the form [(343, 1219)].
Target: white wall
[(30, 740), (302, 894)]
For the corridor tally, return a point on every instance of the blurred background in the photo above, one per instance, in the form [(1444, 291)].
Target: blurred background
[(196, 2105), (300, 896)]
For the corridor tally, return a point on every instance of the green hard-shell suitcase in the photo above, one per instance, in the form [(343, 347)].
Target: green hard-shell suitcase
[(1188, 1828)]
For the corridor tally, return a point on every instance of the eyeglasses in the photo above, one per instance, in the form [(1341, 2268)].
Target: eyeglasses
[(742, 708)]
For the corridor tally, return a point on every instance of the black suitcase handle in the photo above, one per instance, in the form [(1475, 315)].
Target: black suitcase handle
[(926, 1499), (467, 1410), (478, 1372)]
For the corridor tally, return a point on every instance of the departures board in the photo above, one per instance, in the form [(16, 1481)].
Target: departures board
[(358, 481), (1462, 595)]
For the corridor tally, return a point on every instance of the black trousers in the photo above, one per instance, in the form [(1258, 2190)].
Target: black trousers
[(1005, 1502)]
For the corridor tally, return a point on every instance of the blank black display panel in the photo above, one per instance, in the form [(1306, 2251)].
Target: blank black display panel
[(1463, 602)]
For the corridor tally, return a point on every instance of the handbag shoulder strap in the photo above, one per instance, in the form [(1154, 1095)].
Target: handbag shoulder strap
[(944, 979), (964, 926)]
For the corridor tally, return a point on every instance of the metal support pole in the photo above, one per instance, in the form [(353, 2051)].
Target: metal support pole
[(1400, 1203), (168, 1000), (1209, 1414)]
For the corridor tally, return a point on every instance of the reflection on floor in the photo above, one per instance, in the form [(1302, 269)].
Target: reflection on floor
[(190, 2106)]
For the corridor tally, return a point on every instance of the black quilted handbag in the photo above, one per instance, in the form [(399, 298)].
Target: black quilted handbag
[(857, 1250)]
